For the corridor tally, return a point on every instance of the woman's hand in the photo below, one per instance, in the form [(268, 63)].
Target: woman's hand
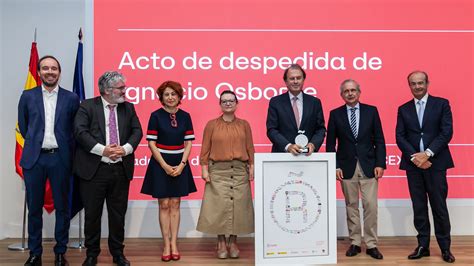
[(251, 172), (168, 169), (177, 170), (205, 174)]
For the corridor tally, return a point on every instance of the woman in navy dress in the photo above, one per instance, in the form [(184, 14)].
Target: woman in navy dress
[(168, 176)]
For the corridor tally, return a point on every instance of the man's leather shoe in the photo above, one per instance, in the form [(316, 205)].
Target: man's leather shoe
[(60, 260), (418, 253), (90, 261), (448, 256), (374, 253), (33, 260), (353, 250), (121, 260)]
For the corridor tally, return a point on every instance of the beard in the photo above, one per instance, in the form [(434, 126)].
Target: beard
[(49, 84), (117, 99)]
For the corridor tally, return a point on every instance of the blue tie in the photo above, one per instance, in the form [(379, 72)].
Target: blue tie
[(354, 121), (421, 111)]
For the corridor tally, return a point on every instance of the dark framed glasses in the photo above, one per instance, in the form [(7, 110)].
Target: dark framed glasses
[(174, 123)]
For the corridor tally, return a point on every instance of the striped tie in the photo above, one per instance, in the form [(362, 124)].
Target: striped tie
[(353, 121)]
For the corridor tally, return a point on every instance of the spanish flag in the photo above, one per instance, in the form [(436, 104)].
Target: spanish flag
[(33, 80)]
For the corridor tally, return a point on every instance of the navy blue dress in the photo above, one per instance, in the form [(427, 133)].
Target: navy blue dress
[(170, 142)]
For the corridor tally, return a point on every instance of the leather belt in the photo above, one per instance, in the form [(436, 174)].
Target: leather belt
[(53, 150)]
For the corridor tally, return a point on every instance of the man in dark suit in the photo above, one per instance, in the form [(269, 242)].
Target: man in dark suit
[(45, 116), (293, 113), (107, 131), (360, 162), (424, 129)]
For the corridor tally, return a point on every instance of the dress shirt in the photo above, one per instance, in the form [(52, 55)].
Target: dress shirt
[(299, 105), (357, 113), (50, 100), (99, 148), (417, 106)]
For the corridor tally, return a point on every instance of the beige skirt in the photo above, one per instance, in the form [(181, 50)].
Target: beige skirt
[(227, 207)]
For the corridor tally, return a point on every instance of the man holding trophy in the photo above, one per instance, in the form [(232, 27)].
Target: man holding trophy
[(295, 120)]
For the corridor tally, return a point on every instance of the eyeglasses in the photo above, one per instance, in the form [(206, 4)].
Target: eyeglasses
[(174, 123), (230, 102), (119, 88)]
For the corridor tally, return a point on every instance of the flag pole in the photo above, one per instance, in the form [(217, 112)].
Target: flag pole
[(23, 245), (79, 244)]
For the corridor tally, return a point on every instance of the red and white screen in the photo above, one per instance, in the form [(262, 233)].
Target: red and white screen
[(210, 46)]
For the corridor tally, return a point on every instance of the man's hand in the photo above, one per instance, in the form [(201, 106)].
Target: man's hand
[(311, 149), (339, 174), (378, 172), (113, 152), (425, 166), (294, 149), (419, 158)]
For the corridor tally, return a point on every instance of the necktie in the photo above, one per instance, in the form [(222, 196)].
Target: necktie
[(421, 111), (295, 110), (113, 139), (354, 121)]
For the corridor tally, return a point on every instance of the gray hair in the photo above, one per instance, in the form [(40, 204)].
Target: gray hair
[(108, 80), (341, 88)]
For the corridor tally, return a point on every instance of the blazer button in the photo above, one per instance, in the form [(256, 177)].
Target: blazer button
[(422, 133), (231, 187), (232, 176), (231, 166), (231, 198)]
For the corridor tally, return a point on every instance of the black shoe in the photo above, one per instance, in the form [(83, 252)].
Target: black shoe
[(447, 256), (374, 253), (353, 250), (60, 260), (121, 260), (33, 260), (418, 253), (90, 261)]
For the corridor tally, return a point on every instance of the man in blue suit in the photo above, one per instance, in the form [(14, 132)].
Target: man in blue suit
[(360, 162), (45, 118), (424, 129), (293, 113)]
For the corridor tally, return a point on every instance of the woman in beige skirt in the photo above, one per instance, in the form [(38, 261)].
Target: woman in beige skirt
[(226, 160)]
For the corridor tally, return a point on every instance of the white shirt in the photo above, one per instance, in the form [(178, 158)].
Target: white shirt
[(50, 100), (99, 148), (424, 99), (357, 113), (299, 105), (417, 106)]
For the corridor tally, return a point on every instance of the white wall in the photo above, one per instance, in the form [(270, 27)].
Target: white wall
[(58, 23)]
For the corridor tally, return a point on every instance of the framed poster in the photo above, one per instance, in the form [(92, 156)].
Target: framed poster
[(295, 206)]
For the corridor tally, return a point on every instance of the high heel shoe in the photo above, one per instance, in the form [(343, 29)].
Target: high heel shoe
[(176, 256), (165, 258), (221, 254), (234, 251)]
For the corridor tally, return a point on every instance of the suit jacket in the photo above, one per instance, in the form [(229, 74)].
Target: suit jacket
[(368, 148), (281, 122), (31, 122), (436, 131), (89, 129)]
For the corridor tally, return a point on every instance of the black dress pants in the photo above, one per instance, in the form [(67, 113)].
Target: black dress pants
[(111, 185), (430, 185)]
